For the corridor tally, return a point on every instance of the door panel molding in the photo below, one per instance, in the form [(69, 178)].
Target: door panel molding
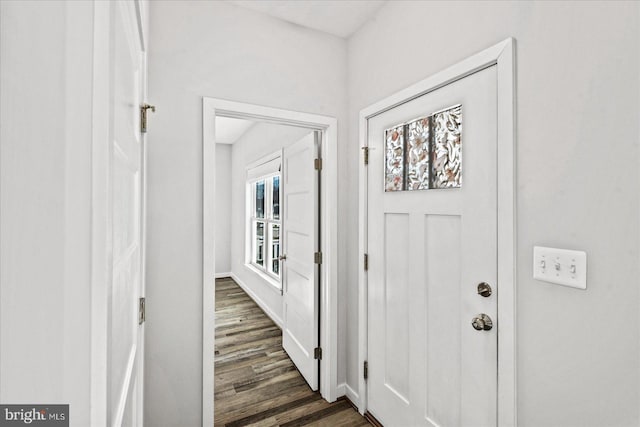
[(328, 236), (501, 55)]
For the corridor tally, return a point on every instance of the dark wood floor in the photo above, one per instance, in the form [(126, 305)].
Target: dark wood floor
[(256, 383)]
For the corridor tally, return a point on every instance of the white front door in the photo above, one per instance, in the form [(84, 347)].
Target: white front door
[(299, 271), (125, 344), (428, 251)]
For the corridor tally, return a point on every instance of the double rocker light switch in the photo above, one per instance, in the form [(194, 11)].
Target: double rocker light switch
[(560, 266)]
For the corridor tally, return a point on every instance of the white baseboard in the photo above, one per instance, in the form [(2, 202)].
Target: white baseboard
[(340, 390), (351, 395), (277, 320), (222, 275)]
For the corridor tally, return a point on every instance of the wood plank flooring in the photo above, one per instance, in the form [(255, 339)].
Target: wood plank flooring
[(256, 384)]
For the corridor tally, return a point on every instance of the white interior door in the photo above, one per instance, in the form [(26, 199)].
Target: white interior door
[(126, 183), (300, 273), (428, 251)]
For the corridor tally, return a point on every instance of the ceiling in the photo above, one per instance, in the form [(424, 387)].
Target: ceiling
[(341, 18), (229, 130)]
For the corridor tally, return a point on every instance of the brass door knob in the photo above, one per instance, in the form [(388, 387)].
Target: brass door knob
[(482, 322), (282, 257), (484, 289)]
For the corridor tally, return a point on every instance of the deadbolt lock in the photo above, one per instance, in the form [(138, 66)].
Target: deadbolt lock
[(484, 289), (482, 322)]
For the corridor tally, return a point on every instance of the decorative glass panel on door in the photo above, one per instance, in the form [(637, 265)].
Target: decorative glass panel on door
[(425, 153), (394, 159), (276, 197), (418, 152), (259, 198), (259, 243), (447, 148), (275, 249)]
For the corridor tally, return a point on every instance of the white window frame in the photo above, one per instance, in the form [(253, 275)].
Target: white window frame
[(258, 171), (268, 221)]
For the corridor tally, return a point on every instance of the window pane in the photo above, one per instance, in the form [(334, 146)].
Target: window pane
[(276, 197), (259, 199), (394, 159), (275, 249), (259, 243), (447, 149), (418, 154)]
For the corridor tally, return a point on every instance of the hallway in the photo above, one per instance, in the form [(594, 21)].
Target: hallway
[(255, 381)]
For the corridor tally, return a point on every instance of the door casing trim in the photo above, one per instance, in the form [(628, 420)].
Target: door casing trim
[(501, 55), (328, 237)]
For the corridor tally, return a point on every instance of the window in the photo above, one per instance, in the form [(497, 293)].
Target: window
[(425, 153), (264, 222)]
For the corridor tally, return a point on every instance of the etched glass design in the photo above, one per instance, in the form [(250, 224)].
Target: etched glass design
[(425, 153), (417, 132), (394, 159), (447, 149)]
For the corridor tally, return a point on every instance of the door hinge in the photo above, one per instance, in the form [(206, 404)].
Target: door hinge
[(141, 311), (317, 353), (143, 116), (318, 164), (366, 370), (366, 262), (317, 257), (366, 155)]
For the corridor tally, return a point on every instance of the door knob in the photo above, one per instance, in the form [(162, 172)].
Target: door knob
[(484, 289), (482, 322), (282, 257)]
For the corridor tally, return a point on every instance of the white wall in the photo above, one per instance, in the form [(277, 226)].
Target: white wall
[(578, 184), (260, 140), (223, 208), (219, 50), (45, 204)]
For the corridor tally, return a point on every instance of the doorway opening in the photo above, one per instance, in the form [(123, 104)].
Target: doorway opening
[(259, 183)]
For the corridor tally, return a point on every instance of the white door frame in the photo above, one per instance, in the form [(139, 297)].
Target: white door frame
[(501, 55), (328, 238)]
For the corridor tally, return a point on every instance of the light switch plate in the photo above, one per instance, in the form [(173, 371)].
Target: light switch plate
[(560, 266)]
